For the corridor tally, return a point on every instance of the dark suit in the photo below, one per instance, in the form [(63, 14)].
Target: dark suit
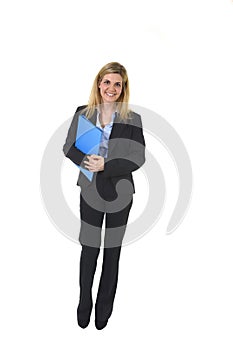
[(126, 153)]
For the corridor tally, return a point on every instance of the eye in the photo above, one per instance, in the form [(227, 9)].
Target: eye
[(118, 84), (107, 82)]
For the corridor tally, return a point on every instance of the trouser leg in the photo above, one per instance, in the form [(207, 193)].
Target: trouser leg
[(108, 283), (110, 267), (93, 219), (88, 262), (91, 224)]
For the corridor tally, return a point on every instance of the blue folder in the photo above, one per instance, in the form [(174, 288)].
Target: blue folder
[(88, 140)]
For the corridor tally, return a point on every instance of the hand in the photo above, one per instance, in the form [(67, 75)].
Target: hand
[(95, 163)]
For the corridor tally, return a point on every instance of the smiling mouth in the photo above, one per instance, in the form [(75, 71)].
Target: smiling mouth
[(110, 95)]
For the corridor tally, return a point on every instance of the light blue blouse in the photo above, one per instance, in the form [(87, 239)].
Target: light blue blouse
[(103, 150)]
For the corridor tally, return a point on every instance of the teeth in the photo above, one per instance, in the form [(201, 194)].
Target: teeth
[(110, 94)]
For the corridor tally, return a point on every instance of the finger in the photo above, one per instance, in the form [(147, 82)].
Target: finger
[(90, 157), (87, 163), (89, 168), (95, 156), (91, 161)]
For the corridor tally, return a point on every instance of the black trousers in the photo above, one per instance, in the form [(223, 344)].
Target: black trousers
[(115, 226)]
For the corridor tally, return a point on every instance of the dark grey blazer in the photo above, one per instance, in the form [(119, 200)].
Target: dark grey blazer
[(126, 153)]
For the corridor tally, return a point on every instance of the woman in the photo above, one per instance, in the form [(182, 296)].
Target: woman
[(110, 193)]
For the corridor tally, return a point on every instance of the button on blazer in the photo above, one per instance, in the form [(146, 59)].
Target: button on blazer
[(126, 153)]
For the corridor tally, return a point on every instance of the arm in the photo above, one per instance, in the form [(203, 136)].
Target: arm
[(69, 149), (135, 157)]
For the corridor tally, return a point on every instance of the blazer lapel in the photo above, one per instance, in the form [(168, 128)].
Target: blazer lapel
[(93, 117), (116, 132)]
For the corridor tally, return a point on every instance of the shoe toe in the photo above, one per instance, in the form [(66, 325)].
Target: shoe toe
[(100, 324), (83, 323)]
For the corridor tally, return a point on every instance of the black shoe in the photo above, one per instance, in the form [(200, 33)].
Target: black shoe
[(83, 320), (100, 324), (83, 317), (83, 323)]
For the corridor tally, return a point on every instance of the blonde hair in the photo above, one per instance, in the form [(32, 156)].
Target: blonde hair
[(95, 98)]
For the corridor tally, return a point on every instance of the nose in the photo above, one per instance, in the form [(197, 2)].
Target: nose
[(111, 87)]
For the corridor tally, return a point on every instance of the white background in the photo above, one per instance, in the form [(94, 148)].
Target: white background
[(174, 292)]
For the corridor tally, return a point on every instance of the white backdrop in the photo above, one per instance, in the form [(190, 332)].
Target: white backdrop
[(174, 291)]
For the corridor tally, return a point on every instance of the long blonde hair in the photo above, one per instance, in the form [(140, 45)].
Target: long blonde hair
[(95, 98)]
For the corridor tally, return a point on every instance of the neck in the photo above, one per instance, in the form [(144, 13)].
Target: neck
[(107, 108)]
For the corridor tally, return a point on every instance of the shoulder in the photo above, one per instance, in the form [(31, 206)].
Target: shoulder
[(78, 112), (80, 109), (134, 119)]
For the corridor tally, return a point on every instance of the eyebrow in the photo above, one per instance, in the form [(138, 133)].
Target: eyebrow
[(115, 81)]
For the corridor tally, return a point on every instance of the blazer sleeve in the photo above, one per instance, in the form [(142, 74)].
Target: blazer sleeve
[(69, 149), (135, 157)]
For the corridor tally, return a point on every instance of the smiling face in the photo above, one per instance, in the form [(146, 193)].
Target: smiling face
[(110, 87)]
